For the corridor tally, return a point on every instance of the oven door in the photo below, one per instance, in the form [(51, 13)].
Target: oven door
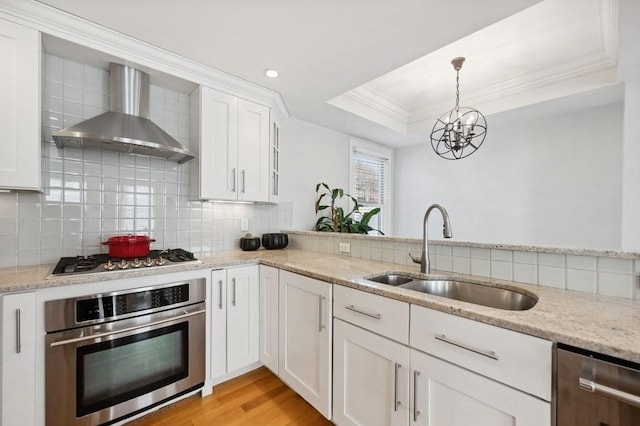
[(98, 374)]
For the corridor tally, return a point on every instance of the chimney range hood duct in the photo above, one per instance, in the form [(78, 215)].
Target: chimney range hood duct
[(126, 127)]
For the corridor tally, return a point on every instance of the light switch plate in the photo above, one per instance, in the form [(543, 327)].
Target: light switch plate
[(244, 224)]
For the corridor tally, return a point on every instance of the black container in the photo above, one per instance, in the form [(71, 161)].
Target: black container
[(275, 241), (250, 244)]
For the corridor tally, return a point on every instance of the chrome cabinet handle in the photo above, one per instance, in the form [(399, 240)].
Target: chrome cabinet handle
[(320, 324), (590, 386), (18, 332), (243, 181), (233, 296), (488, 354), (220, 294), (396, 403), (416, 412), (233, 180), (354, 309)]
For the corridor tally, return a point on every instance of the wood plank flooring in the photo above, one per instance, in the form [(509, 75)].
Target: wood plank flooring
[(256, 398)]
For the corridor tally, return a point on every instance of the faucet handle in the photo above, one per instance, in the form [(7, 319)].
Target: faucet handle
[(417, 260)]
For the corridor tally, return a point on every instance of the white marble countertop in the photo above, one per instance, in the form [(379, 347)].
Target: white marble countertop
[(602, 324)]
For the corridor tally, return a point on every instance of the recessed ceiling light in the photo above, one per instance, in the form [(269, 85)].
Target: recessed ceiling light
[(271, 73)]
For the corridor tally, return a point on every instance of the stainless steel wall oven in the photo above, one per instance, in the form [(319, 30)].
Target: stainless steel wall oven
[(112, 355)]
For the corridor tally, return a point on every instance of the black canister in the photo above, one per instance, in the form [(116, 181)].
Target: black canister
[(249, 243)]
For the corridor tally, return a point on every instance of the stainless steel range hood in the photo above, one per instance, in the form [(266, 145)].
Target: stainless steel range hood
[(126, 127)]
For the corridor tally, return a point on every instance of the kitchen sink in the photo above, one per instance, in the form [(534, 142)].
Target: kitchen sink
[(391, 279), (479, 294)]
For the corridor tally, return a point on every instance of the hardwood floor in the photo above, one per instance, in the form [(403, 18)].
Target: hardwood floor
[(256, 398)]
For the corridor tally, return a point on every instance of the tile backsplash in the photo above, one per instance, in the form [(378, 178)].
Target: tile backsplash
[(90, 195)]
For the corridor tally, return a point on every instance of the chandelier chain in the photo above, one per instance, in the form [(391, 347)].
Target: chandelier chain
[(457, 90)]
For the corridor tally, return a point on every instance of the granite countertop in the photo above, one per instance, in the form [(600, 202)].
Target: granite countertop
[(602, 324)]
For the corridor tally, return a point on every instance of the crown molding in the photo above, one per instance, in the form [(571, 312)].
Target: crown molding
[(595, 68), (66, 26)]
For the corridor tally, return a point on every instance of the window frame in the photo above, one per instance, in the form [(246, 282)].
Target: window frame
[(382, 152)]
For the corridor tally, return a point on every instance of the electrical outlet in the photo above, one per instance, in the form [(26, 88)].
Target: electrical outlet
[(244, 224), (344, 248)]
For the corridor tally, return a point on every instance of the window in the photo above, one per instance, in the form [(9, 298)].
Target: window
[(370, 181)]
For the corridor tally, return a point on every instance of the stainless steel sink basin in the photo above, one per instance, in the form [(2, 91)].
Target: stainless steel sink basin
[(391, 279), (478, 294)]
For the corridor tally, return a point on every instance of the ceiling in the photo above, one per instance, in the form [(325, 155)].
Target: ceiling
[(379, 69)]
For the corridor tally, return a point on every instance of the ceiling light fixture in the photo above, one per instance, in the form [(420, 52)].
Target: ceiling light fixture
[(271, 73), (461, 131)]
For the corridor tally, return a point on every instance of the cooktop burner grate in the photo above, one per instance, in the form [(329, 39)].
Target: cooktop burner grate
[(97, 262)]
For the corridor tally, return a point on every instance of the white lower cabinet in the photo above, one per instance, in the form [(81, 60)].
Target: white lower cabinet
[(269, 301), (370, 378), (480, 375), (444, 394), (18, 359), (305, 330), (234, 319)]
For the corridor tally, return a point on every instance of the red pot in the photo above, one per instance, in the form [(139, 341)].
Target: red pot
[(128, 246)]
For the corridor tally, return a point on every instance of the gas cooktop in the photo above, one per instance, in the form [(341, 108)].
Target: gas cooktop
[(104, 263)]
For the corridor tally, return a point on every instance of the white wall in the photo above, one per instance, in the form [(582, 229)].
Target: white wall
[(310, 154), (539, 181), (628, 71)]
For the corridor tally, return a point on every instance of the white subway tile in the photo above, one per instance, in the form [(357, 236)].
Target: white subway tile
[(618, 285), (461, 265), (551, 259), (480, 267), (550, 276), (582, 280), (618, 266), (502, 270), (525, 257), (502, 255), (525, 273), (480, 253)]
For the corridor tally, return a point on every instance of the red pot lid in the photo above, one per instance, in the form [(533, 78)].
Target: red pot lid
[(128, 239)]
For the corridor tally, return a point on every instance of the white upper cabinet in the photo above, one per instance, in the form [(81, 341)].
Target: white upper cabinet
[(19, 107), (232, 146)]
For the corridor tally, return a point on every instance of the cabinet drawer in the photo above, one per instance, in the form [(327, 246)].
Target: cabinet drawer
[(516, 359), (387, 317)]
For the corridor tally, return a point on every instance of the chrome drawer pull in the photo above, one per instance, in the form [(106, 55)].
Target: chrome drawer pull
[(354, 309), (590, 386), (220, 294), (488, 354), (18, 332), (320, 324), (396, 403), (416, 412), (233, 180)]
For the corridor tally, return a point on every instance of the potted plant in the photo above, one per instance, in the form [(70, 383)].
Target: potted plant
[(337, 221)]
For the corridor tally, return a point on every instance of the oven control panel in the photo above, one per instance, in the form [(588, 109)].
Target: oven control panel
[(105, 307)]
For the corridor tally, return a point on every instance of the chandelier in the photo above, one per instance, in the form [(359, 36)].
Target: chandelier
[(461, 131)]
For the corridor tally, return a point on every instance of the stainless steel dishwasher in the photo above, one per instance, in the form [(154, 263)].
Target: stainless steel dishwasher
[(596, 390)]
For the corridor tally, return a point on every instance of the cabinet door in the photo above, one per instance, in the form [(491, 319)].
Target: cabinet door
[(444, 394), (242, 317), (370, 378), (18, 359), (305, 338), (274, 160), (269, 317), (218, 323), (20, 107), (218, 145), (253, 151)]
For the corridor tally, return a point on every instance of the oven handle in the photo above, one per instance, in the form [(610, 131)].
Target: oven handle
[(127, 329)]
